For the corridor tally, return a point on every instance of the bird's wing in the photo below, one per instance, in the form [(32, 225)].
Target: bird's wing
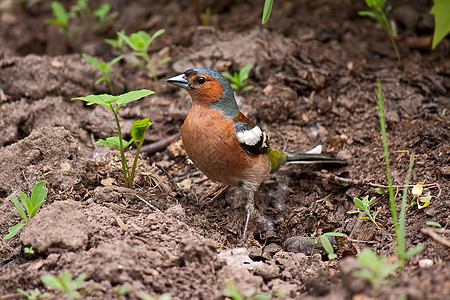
[(251, 137)]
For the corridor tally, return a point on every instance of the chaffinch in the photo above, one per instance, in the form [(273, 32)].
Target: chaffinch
[(223, 143)]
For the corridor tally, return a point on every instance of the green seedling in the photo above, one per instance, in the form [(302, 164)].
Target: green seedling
[(114, 103), (102, 15), (105, 68), (31, 205), (27, 250), (62, 19), (33, 295), (235, 294), (140, 43), (119, 43), (207, 16), (267, 10), (399, 226), (326, 243), (239, 79), (65, 283), (379, 12), (440, 10), (434, 224), (364, 208), (375, 269)]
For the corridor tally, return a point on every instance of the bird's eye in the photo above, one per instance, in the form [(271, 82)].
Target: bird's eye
[(201, 80)]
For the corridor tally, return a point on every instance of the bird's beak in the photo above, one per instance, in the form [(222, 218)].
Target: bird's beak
[(179, 80)]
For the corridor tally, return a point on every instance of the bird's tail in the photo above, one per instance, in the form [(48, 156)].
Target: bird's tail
[(278, 158)]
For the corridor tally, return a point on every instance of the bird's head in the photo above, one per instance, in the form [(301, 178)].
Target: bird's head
[(208, 88)]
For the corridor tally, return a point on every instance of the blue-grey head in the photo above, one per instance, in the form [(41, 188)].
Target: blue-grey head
[(208, 88)]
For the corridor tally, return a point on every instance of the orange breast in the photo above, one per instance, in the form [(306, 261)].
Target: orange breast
[(210, 142)]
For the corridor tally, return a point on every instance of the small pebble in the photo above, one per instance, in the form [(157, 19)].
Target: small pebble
[(425, 263)]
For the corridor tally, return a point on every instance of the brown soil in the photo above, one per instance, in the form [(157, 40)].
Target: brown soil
[(315, 68)]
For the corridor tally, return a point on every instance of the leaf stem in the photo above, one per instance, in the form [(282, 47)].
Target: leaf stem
[(133, 170), (122, 154)]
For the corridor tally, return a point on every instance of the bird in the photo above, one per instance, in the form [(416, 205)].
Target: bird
[(224, 144)]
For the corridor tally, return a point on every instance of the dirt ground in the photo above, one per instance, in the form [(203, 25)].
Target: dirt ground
[(315, 69)]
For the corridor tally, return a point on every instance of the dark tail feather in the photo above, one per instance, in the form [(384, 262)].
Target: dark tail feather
[(312, 158)]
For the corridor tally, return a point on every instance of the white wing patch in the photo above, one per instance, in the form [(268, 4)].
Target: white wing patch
[(252, 136)]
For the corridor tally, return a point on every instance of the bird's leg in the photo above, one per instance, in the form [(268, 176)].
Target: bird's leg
[(250, 208), (215, 197)]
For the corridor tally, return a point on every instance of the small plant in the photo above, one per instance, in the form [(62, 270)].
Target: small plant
[(375, 269), (27, 250), (326, 243), (364, 208), (103, 15), (140, 43), (233, 292), (399, 226), (440, 11), (31, 205), (379, 13), (239, 79), (62, 19), (119, 43), (105, 68), (114, 103), (65, 283), (33, 295)]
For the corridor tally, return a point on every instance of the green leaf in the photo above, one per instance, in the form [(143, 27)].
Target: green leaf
[(101, 79), (371, 201), (93, 61), (102, 99), (435, 224), (326, 244), (337, 234), (132, 96), (245, 72), (380, 191), (126, 39), (26, 203), (52, 281), (13, 231), (248, 88), (163, 61), (60, 12), (353, 211), (139, 128), (155, 35), (359, 204), (414, 251), (365, 218), (115, 60), (441, 12), (19, 208), (368, 258), (228, 76), (102, 11), (39, 193), (140, 41), (113, 141), (267, 10), (368, 13)]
